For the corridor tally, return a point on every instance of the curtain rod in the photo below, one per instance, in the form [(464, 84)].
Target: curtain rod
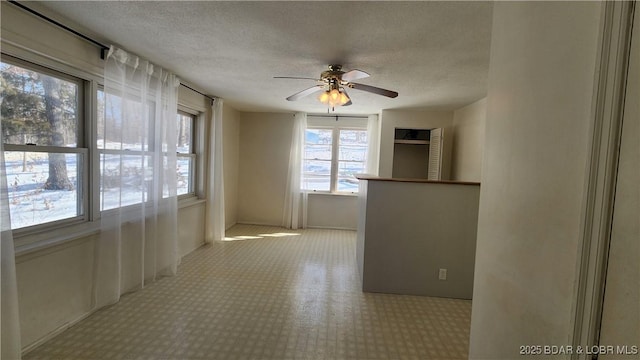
[(339, 116), (103, 48)]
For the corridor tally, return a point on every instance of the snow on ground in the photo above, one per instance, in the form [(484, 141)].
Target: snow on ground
[(30, 204)]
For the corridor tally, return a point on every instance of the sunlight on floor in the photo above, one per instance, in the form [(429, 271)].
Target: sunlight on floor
[(259, 236)]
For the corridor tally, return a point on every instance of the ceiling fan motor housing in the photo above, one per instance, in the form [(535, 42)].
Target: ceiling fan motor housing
[(333, 75)]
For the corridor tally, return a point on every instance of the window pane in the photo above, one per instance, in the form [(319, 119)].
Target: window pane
[(353, 145), (42, 187), (346, 175), (347, 184), (125, 180), (317, 152), (353, 153), (316, 175), (353, 137), (123, 124), (37, 108), (318, 136), (183, 173), (316, 172), (183, 141)]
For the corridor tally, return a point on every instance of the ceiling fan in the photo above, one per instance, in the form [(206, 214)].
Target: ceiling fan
[(333, 83)]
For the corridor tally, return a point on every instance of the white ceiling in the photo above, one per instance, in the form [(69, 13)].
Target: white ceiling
[(435, 54)]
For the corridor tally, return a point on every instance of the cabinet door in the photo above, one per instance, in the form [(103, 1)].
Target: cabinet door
[(435, 154)]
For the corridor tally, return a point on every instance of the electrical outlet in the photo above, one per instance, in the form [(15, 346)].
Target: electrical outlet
[(442, 275)]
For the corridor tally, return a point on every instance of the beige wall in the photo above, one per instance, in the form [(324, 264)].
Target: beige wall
[(265, 143), (412, 230), (332, 211), (231, 153), (55, 283), (265, 140), (468, 141), (541, 83), (621, 315), (54, 287), (412, 119)]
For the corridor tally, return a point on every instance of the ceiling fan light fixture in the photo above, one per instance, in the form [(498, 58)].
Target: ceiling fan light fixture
[(344, 98), (324, 97), (334, 97)]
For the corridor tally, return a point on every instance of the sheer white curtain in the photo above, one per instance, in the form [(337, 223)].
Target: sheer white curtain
[(293, 193), (373, 145), (9, 322), (137, 146), (215, 224)]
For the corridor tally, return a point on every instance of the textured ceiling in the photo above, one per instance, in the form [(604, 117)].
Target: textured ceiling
[(435, 54)]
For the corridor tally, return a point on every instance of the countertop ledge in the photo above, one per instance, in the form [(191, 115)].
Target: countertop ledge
[(451, 182)]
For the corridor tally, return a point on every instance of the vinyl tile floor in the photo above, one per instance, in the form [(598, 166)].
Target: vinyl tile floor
[(268, 293)]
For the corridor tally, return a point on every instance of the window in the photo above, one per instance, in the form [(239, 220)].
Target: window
[(42, 132), (332, 157), (186, 157), (318, 150), (51, 139), (124, 155), (352, 158), (133, 154)]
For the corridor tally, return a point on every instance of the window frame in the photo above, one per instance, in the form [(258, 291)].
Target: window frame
[(338, 161), (335, 124), (192, 154), (83, 114)]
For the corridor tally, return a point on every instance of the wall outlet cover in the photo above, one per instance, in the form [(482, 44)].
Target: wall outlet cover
[(442, 274)]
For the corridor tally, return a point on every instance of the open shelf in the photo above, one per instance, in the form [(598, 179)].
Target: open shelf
[(411, 142)]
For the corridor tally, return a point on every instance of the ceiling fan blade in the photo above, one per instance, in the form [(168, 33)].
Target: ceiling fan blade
[(295, 77), (306, 92), (348, 97), (373, 89), (354, 75)]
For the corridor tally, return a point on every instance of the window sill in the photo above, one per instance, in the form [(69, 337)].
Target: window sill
[(190, 201), (326, 193), (37, 242)]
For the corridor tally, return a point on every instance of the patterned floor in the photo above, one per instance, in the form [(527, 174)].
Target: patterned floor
[(269, 294)]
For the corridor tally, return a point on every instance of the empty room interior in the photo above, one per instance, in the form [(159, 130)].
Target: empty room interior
[(320, 180)]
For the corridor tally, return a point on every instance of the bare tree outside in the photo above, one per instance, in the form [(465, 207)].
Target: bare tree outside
[(54, 113)]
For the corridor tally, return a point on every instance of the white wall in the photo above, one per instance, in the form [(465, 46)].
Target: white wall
[(621, 314), (541, 83), (468, 141), (411, 119), (231, 153)]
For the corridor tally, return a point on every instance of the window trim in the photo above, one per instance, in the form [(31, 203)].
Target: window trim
[(192, 154)]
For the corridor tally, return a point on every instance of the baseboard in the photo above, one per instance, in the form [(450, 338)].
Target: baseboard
[(56, 332), (258, 223), (308, 227), (331, 228)]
